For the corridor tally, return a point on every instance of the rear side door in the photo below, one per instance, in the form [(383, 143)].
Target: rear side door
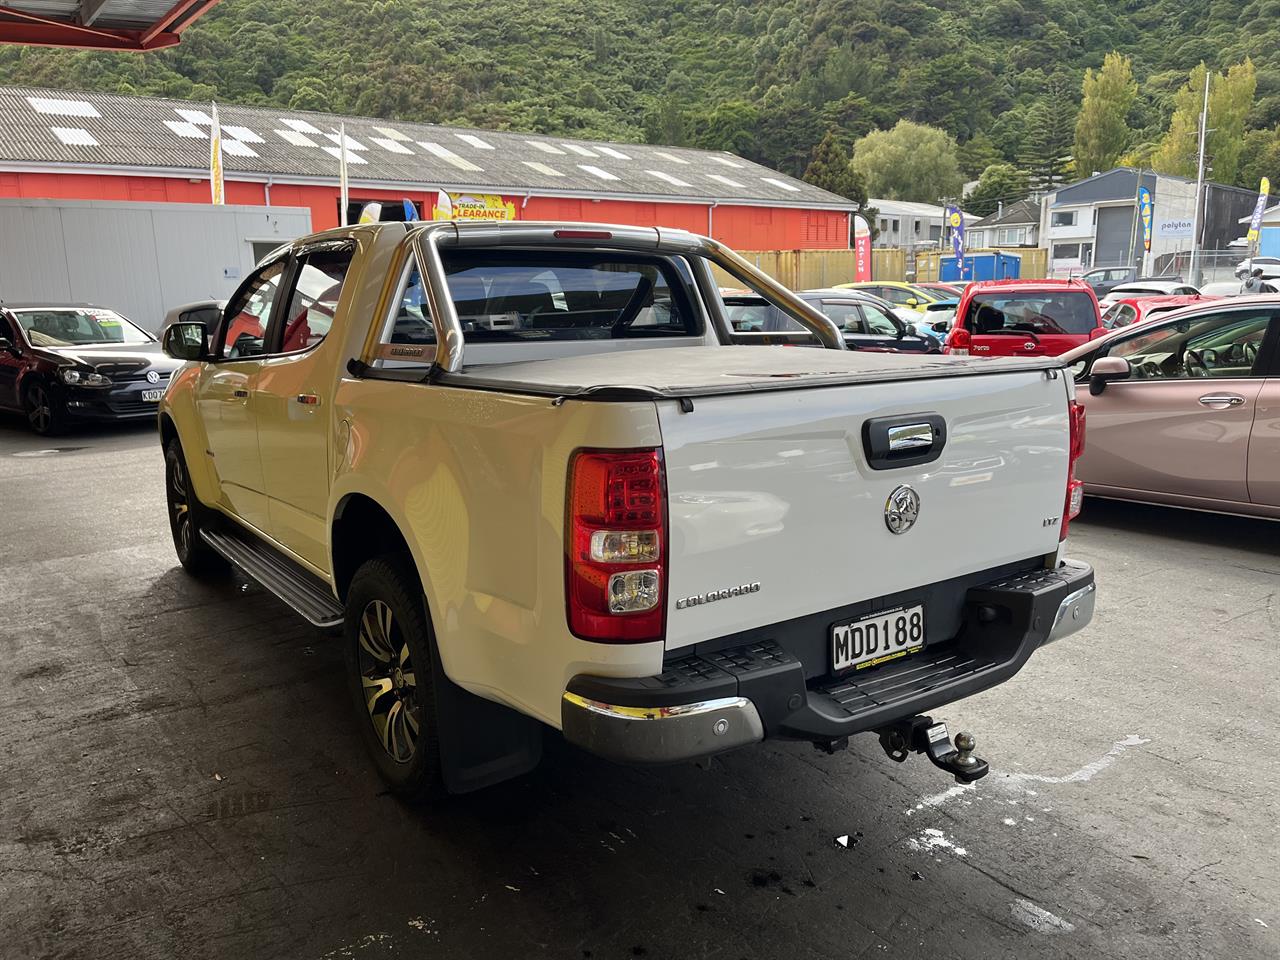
[(11, 363), (1181, 425), (224, 393), (890, 332)]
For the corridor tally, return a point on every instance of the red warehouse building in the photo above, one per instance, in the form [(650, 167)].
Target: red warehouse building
[(60, 145)]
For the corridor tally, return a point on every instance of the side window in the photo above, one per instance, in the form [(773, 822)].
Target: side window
[(245, 322), (411, 323), (1122, 315), (1225, 345), (845, 315), (309, 314), (879, 322), (6, 331)]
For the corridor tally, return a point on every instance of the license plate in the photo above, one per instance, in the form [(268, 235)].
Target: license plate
[(877, 638), (152, 396)]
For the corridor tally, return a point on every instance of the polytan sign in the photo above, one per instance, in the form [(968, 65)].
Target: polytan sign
[(1173, 229), (861, 249), (473, 206)]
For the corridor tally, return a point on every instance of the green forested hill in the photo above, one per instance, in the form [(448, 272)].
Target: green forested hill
[(765, 78)]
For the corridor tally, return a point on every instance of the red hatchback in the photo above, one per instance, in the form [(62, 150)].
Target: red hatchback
[(1024, 318)]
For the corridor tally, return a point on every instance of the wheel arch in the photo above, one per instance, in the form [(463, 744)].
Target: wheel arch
[(360, 530)]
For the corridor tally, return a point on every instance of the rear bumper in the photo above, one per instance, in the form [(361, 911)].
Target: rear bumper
[(707, 703)]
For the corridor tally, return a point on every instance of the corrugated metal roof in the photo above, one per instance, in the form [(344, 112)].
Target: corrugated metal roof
[(1023, 211), (111, 130), (99, 24)]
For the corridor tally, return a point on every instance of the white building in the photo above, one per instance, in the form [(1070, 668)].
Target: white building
[(901, 223)]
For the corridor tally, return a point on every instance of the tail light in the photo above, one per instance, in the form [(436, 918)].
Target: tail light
[(1075, 488), (616, 545), (958, 341)]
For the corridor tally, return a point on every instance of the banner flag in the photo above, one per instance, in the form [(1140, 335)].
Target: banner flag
[(216, 186), (1146, 207), (1255, 225)]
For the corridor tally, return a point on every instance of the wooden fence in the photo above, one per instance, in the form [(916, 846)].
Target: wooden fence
[(1035, 262)]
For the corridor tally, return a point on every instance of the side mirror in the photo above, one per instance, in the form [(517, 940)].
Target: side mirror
[(186, 341), (912, 302), (7, 345), (1106, 369)]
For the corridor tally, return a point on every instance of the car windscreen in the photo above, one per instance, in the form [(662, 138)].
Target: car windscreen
[(77, 326), (1058, 311), (565, 295)]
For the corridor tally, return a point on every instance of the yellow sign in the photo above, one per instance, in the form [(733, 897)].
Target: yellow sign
[(473, 206), (1255, 225)]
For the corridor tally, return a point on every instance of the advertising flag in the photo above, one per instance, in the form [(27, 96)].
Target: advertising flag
[(1255, 225), (1145, 209), (216, 187), (410, 211), (344, 190), (371, 212), (955, 220), (861, 248)]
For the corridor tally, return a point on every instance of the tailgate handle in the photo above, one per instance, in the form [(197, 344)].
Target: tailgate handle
[(905, 441)]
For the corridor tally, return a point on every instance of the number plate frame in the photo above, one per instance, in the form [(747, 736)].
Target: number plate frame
[(152, 396), (885, 649)]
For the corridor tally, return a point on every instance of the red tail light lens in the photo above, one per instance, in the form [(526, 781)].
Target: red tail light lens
[(615, 532), (1075, 488), (958, 341)]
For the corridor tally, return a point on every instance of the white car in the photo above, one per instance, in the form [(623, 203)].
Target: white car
[(611, 515)]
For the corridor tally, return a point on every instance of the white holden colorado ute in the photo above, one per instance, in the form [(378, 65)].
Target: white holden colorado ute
[(539, 481)]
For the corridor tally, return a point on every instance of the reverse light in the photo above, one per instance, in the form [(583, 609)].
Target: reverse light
[(958, 341), (1075, 488), (615, 549)]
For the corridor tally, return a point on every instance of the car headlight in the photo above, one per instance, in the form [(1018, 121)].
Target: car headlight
[(84, 378)]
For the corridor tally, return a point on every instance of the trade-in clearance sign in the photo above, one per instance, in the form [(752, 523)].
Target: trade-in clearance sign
[(473, 206), (1145, 208), (1255, 225)]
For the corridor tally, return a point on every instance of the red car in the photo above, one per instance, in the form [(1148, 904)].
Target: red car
[(1131, 310), (1024, 318)]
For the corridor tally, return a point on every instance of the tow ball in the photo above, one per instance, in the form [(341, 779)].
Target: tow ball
[(922, 735)]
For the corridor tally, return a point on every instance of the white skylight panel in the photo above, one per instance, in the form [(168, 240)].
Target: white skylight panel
[(579, 150), (74, 136), (782, 184), (727, 181), (302, 126), (474, 141), (616, 154), (296, 138), (198, 117), (391, 146), (63, 108), (542, 168), (670, 156), (391, 133), (337, 155), (448, 156), (238, 149), (725, 161), (183, 129), (352, 142), (661, 175), (243, 134), (545, 147), (597, 172)]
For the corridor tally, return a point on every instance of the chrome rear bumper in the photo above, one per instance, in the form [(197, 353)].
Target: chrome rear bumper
[(660, 734)]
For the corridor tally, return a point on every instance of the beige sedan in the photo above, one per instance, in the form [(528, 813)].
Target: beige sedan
[(1185, 410)]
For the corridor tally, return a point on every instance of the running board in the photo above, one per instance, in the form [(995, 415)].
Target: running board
[(307, 594)]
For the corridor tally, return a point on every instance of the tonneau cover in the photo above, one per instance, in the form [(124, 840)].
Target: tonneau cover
[(704, 371)]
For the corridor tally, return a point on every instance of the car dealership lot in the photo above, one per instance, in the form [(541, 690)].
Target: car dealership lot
[(179, 775)]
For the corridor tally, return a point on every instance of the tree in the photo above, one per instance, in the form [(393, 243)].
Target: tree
[(1230, 97), (1259, 158), (1046, 150), (832, 170), (999, 183), (977, 154), (1102, 127), (909, 162)]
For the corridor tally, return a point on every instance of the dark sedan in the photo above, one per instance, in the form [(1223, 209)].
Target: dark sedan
[(868, 322), (65, 362)]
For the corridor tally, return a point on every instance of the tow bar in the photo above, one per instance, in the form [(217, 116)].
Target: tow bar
[(922, 735)]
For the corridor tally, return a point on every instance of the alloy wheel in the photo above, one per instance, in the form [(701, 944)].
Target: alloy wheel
[(390, 686), (39, 412), (180, 506)]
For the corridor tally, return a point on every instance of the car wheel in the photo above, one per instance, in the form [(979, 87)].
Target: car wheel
[(187, 516), (388, 641), (45, 413)]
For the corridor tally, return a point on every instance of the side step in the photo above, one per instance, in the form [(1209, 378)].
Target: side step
[(305, 593)]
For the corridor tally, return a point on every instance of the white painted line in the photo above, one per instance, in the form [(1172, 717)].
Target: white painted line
[(1038, 918)]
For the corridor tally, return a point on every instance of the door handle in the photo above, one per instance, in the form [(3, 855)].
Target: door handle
[(308, 399), (240, 394), (1227, 399)]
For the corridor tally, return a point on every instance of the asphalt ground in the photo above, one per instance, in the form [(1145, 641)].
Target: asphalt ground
[(180, 777)]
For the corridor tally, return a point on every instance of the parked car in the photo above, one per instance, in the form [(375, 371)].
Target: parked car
[(1149, 288), (1221, 288), (938, 316), (946, 289), (62, 362), (1024, 318), (867, 322), (1131, 310), (900, 294), (1270, 266), (1184, 410), (554, 494), (1103, 279)]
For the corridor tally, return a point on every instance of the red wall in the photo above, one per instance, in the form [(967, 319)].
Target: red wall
[(744, 228)]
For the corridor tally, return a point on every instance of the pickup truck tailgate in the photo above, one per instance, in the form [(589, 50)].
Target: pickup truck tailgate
[(776, 511)]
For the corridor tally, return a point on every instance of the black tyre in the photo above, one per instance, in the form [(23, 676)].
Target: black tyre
[(187, 516), (387, 636), (46, 414)]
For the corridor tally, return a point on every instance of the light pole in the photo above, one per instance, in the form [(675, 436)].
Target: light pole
[(1199, 208)]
